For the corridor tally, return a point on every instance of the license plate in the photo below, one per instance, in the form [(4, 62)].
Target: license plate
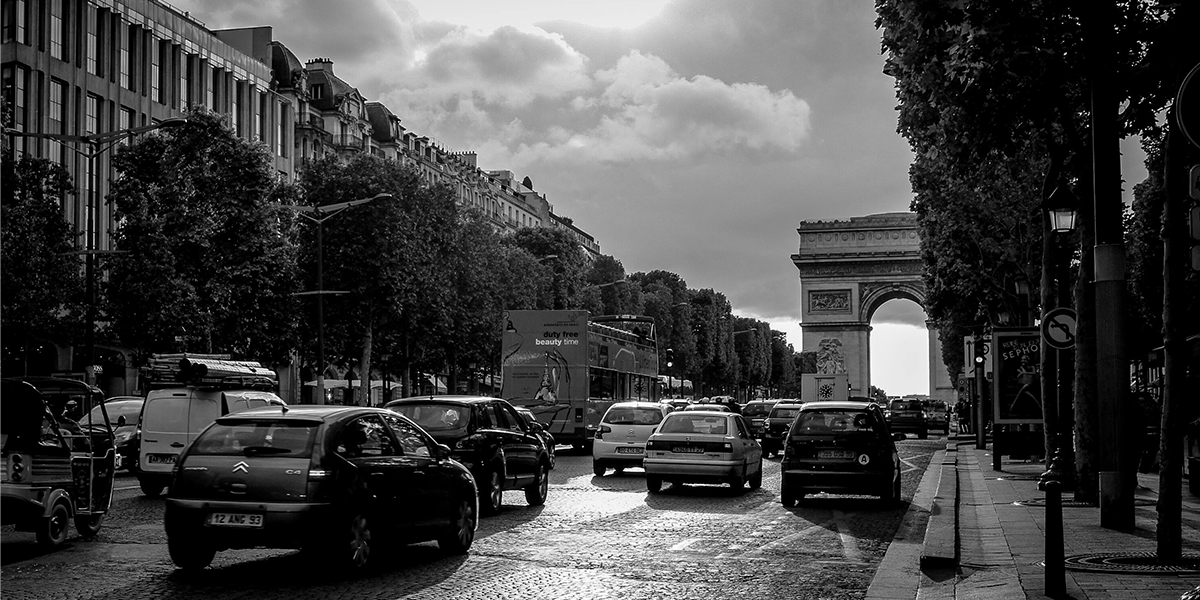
[(630, 450), (835, 454), (166, 459), (235, 520), (687, 450)]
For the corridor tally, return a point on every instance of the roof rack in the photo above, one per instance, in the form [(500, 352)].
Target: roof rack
[(207, 370)]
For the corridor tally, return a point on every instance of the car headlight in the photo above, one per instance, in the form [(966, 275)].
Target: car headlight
[(123, 437)]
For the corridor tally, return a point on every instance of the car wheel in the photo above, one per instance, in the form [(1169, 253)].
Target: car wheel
[(618, 470), (756, 479), (89, 525), (788, 498), (535, 493), (52, 530), (896, 488), (188, 553), (737, 483), (654, 484), (461, 533), (598, 468), (151, 489), (491, 495)]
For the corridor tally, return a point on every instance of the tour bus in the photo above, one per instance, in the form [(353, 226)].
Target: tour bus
[(568, 367)]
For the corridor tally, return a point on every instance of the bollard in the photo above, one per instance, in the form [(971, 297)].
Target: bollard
[(1055, 570)]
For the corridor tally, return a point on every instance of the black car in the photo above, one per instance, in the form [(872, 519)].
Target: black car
[(908, 414), (124, 412), (487, 435), (756, 412), (333, 481), (843, 447), (530, 419), (775, 428)]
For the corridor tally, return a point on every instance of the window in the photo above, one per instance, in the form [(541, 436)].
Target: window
[(510, 419), (260, 124), (209, 88), (362, 437), (235, 120), (15, 89), (16, 25), (58, 99), (257, 438), (56, 29), (281, 135), (317, 90), (412, 443), (93, 41), (155, 82), (125, 121), (125, 60)]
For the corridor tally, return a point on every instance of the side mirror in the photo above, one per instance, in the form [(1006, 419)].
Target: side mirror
[(899, 436), (121, 421), (442, 451), (535, 427)]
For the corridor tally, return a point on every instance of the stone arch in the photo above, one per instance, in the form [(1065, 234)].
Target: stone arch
[(848, 269)]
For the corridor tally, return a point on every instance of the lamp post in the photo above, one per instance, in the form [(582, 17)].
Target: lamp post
[(318, 215), (95, 144)]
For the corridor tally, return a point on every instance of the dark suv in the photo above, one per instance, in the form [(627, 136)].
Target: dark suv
[(331, 480), (501, 449), (756, 412), (843, 447), (776, 426), (908, 414)]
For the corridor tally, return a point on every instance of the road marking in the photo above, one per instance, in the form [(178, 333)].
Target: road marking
[(849, 543), (684, 544), (785, 540)]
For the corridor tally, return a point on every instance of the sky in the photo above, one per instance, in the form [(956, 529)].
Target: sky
[(691, 136)]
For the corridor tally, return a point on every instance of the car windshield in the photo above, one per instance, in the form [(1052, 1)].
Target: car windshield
[(116, 410), (629, 415), (756, 410), (833, 421), (436, 417), (685, 423), (256, 438), (780, 412)]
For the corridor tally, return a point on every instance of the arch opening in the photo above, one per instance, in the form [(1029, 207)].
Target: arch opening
[(899, 347)]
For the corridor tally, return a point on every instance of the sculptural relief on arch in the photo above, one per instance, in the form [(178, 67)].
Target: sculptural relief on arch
[(848, 269)]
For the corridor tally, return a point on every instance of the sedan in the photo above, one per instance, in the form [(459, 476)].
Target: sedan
[(123, 413), (703, 447), (333, 481), (621, 440), (712, 407)]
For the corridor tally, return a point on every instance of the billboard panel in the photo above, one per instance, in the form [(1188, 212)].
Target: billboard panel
[(1016, 391), (544, 356)]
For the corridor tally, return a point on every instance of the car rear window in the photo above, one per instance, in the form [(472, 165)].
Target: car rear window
[(900, 405), (833, 421), (256, 438), (619, 415), (682, 422), (167, 413), (436, 417), (755, 410), (785, 413)]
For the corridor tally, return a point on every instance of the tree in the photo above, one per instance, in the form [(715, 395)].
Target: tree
[(41, 283), (602, 295), (559, 251), (784, 375), (209, 259), (879, 395)]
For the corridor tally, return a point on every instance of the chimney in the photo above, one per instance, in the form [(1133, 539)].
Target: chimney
[(321, 64)]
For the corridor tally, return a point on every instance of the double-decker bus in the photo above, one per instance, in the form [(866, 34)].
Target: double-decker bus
[(568, 367)]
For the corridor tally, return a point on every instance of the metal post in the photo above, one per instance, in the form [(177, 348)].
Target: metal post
[(320, 315), (1055, 569), (90, 241), (980, 382)]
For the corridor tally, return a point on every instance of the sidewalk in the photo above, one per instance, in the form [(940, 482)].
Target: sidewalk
[(998, 543)]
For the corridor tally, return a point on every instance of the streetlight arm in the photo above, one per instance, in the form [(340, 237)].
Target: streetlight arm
[(95, 142), (328, 210)]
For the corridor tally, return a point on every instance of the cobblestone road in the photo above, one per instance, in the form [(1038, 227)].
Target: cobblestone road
[(595, 538)]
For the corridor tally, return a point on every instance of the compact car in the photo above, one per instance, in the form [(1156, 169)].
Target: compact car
[(334, 481), (621, 440), (123, 412), (756, 412), (487, 435), (716, 407), (840, 447), (907, 414), (776, 426), (703, 447), (938, 415)]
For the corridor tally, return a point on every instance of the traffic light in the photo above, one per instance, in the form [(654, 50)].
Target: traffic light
[(981, 351), (670, 357)]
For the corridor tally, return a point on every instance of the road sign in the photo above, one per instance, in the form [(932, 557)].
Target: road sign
[(1058, 328)]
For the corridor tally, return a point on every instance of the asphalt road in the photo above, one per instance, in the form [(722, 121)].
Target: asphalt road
[(595, 538)]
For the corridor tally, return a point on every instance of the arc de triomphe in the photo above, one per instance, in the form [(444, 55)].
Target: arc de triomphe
[(848, 269)]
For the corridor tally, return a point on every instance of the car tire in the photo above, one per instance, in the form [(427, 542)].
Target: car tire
[(536, 492), (352, 543), (789, 498), (756, 479), (491, 495), (618, 470), (188, 553), (896, 494), (598, 468), (88, 525), (52, 530), (461, 533), (654, 484), (150, 488)]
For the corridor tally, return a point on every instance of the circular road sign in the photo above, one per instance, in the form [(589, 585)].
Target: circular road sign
[(1058, 328)]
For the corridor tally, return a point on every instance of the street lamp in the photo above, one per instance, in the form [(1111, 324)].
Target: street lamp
[(322, 214), (95, 144)]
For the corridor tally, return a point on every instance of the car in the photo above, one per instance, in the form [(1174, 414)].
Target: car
[(776, 426), (530, 419), (678, 403), (703, 447), (716, 407), (487, 435), (756, 412), (621, 439), (124, 412), (333, 481), (939, 415), (842, 447), (907, 414)]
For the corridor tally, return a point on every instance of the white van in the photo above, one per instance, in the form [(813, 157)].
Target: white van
[(171, 419)]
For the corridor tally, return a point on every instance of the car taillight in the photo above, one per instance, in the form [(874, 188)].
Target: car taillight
[(17, 463), (319, 474), (603, 430), (653, 445)]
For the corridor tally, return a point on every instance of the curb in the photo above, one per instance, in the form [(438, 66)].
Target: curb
[(940, 548)]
